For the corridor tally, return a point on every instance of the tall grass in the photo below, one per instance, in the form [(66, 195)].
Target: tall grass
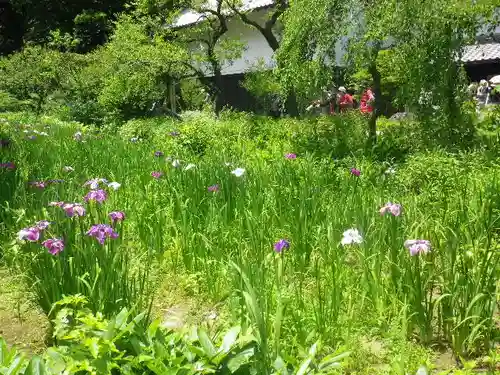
[(317, 287)]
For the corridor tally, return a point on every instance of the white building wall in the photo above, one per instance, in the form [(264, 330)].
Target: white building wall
[(256, 51)]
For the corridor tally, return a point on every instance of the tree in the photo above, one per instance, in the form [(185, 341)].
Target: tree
[(427, 38), (203, 41), (430, 38), (268, 31), (134, 69), (89, 20), (35, 74), (308, 45)]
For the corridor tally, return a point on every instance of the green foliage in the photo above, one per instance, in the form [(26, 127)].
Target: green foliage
[(129, 77), (86, 343), (14, 363), (397, 139), (147, 128), (435, 87), (313, 290), (9, 103), (135, 70), (86, 22), (33, 74), (390, 82), (193, 94), (308, 45), (432, 87), (264, 86), (490, 119)]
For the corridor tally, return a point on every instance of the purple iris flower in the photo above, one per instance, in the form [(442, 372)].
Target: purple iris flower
[(98, 196), (101, 232), (39, 184), (54, 245), (94, 183), (281, 245), (42, 225), (417, 247), (355, 172), (116, 216), (31, 234), (73, 209), (213, 188), (156, 174), (393, 208), (158, 154), (8, 165), (290, 156)]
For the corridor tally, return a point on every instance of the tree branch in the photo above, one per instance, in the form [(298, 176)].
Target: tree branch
[(244, 17), (280, 9), (218, 14), (267, 29)]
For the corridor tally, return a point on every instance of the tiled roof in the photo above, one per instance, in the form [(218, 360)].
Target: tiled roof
[(481, 52), (190, 17)]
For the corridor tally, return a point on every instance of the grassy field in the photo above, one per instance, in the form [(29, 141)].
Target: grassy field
[(396, 264)]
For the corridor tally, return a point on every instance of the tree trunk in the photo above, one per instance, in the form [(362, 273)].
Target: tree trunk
[(218, 90), (291, 105)]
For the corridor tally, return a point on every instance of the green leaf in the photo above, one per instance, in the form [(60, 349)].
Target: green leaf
[(92, 345), (279, 364), (121, 318), (230, 339), (36, 367), (206, 343), (56, 361), (304, 366), (313, 349), (153, 327), (240, 359), (16, 366), (332, 360), (3, 350)]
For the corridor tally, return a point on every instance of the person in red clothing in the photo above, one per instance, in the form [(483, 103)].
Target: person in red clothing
[(345, 100), (367, 100)]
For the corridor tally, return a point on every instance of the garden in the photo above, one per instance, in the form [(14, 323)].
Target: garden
[(136, 240), (290, 261)]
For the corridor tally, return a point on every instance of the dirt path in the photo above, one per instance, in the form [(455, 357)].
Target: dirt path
[(21, 323)]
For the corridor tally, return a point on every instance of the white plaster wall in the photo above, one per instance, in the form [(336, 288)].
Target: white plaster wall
[(256, 52)]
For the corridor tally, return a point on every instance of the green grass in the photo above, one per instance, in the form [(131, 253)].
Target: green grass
[(224, 240)]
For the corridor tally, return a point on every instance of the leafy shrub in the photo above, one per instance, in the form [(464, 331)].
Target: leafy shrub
[(136, 70), (396, 139), (146, 128), (490, 119), (9, 103), (88, 343), (33, 74), (337, 136), (264, 86)]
